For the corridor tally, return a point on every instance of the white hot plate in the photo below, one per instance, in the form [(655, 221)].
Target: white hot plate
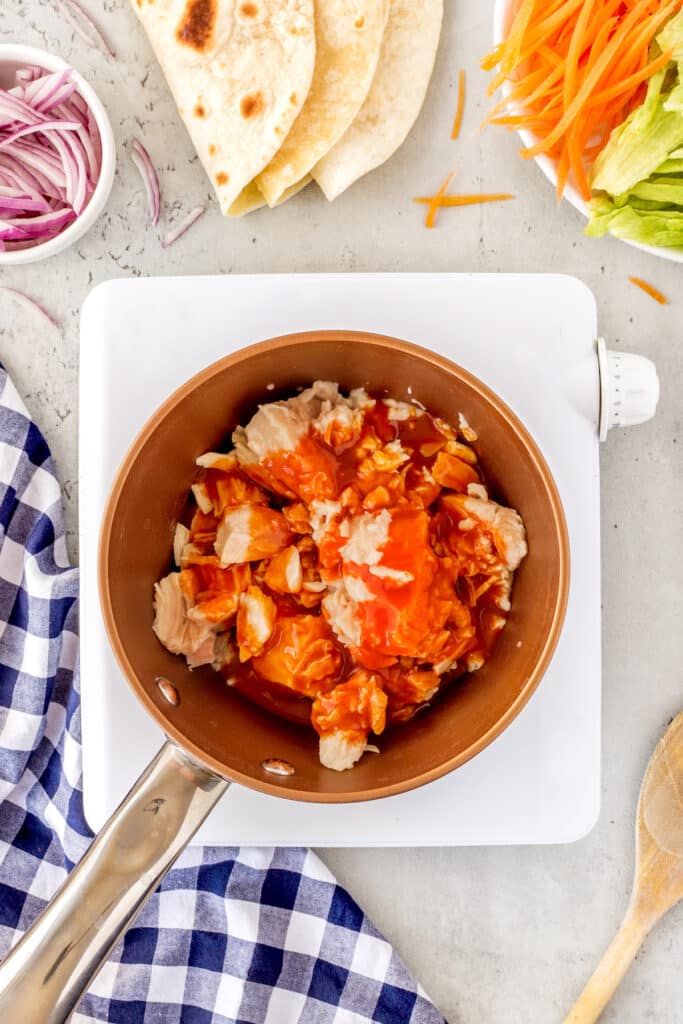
[(533, 340)]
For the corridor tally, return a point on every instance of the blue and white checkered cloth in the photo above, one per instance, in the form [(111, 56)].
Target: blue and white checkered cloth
[(233, 936)]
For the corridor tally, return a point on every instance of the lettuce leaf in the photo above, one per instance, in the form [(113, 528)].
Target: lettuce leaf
[(638, 146), (638, 176)]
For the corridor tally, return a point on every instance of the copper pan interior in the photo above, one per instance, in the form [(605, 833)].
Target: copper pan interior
[(219, 726)]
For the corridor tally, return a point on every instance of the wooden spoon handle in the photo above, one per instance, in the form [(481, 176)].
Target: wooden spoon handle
[(609, 972)]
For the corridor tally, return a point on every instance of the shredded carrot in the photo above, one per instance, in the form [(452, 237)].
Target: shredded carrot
[(457, 123), (650, 290), (435, 202), (473, 200), (575, 69)]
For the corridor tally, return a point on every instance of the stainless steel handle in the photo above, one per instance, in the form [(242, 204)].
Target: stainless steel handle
[(50, 968)]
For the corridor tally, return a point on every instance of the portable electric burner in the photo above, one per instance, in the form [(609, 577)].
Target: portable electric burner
[(534, 340)]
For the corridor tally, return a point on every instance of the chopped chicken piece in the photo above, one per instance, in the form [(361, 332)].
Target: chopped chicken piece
[(203, 498), (323, 515), (338, 752), (463, 452), (451, 472), (274, 428), (383, 460), (302, 655), (341, 611), (284, 574), (421, 489), (218, 460), (401, 411), (230, 489), (282, 427), (368, 535), (360, 399), (171, 624), (213, 594), (345, 716), (204, 655), (414, 687), (378, 498), (501, 527), (181, 538), (478, 491), (224, 652), (312, 589), (466, 430), (249, 533), (255, 622), (339, 427), (309, 471), (297, 518)]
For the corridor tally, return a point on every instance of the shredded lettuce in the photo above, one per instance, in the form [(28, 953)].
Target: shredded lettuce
[(638, 176)]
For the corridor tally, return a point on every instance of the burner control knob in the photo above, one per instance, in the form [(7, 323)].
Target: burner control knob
[(629, 389)]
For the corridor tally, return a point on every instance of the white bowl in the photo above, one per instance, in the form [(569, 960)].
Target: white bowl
[(502, 16), (13, 57)]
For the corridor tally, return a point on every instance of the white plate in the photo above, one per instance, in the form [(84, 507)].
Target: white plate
[(502, 16)]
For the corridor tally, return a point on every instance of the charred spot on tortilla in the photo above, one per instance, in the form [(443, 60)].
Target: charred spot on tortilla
[(199, 110), (197, 24), (359, 22), (249, 10), (222, 178), (293, 98), (212, 150), (252, 104)]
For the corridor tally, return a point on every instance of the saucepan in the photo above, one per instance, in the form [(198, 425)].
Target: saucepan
[(215, 737)]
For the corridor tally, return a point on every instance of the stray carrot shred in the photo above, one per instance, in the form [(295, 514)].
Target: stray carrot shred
[(465, 200), (650, 290), (435, 202), (457, 123), (575, 69)]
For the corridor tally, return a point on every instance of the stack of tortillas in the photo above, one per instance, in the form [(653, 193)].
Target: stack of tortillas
[(276, 93)]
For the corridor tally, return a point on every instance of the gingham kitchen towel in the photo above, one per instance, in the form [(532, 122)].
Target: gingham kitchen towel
[(234, 936)]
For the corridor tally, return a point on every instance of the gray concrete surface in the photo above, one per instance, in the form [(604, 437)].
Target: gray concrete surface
[(497, 936)]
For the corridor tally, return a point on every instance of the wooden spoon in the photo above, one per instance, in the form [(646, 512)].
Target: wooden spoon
[(658, 882)]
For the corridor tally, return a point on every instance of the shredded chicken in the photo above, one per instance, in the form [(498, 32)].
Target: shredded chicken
[(346, 552)]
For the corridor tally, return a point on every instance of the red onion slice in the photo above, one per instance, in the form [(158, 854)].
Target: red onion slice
[(48, 126), (26, 300), (184, 226), (143, 162), (83, 25)]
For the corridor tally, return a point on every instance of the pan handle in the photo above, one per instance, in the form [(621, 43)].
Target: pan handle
[(50, 968)]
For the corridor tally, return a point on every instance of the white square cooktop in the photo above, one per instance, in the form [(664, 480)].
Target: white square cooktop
[(529, 337)]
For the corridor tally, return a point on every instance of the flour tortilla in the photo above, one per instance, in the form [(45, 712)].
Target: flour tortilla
[(239, 71), (406, 61), (251, 199), (348, 41)]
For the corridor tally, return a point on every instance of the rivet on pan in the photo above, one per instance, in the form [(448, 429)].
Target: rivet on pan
[(277, 767), (168, 691)]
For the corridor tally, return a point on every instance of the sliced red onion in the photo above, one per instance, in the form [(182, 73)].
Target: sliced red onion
[(50, 156), (44, 223), (29, 74), (26, 300), (143, 162), (12, 201), (48, 126), (181, 228), (11, 233), (83, 25)]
